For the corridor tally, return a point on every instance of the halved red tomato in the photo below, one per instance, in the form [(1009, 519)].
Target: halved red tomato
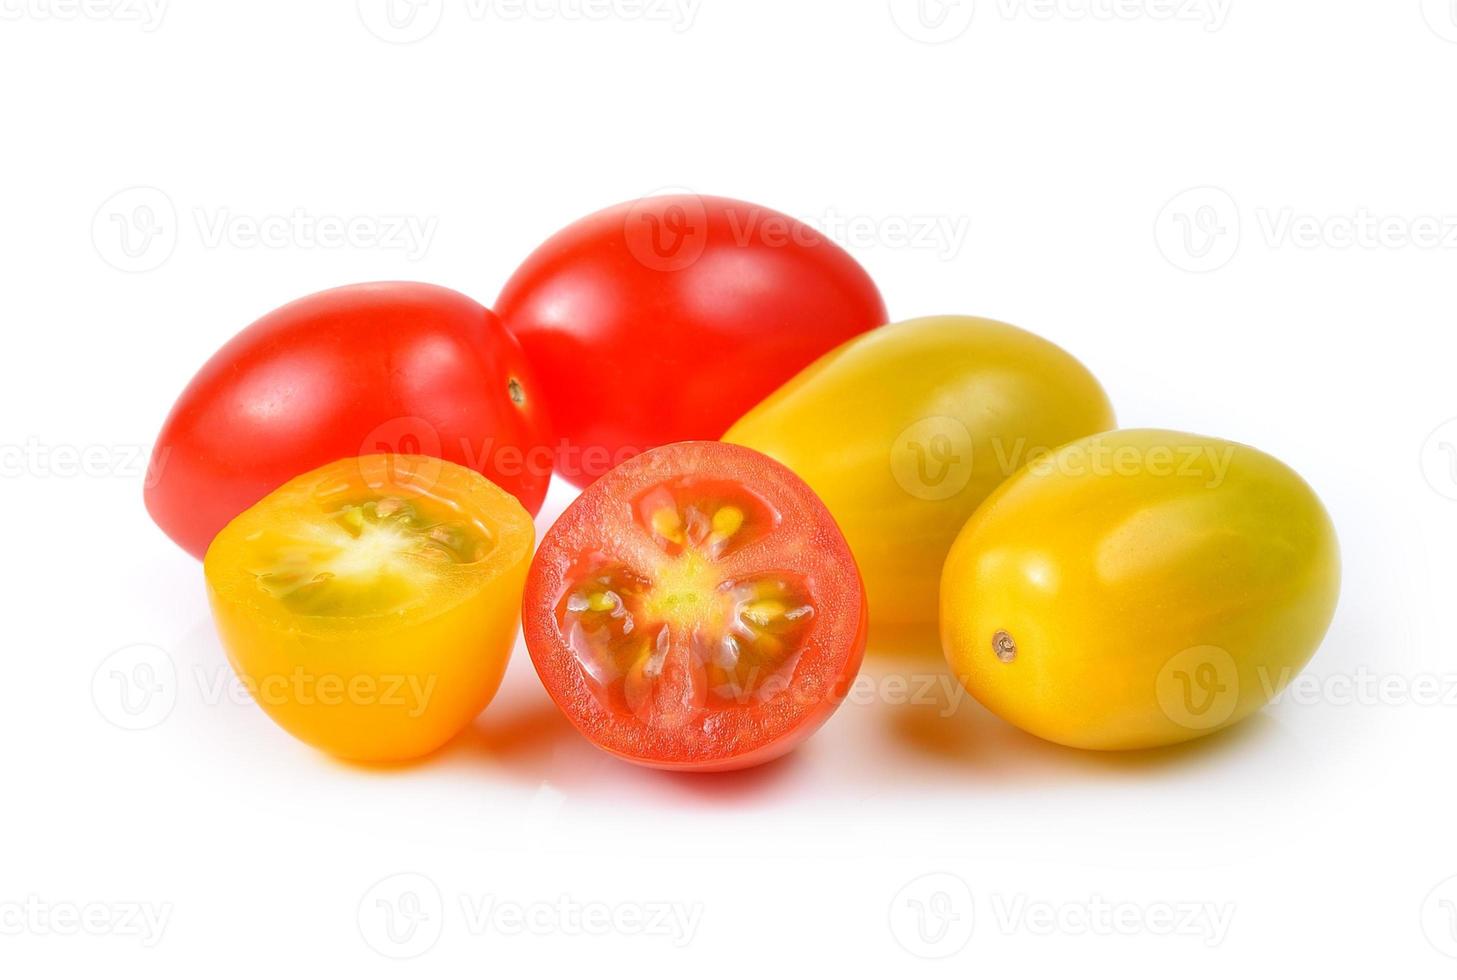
[(696, 609)]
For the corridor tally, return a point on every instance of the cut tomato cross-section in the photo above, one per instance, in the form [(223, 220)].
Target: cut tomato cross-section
[(370, 605), (696, 608)]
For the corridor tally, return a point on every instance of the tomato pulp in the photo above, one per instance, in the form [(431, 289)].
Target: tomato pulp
[(665, 319), (696, 609), (370, 606), (391, 367)]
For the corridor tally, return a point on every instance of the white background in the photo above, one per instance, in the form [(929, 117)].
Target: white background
[(1239, 215)]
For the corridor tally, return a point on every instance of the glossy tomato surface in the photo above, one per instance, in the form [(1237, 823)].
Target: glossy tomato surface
[(370, 606), (1139, 588), (665, 319), (905, 430), (696, 609), (378, 367)]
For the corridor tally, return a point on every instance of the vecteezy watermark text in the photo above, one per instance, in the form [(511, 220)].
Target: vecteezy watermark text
[(936, 458), (145, 14), (1203, 228), (36, 916), (935, 915), (137, 687), (404, 915), (139, 228), (66, 461), (942, 234), (1208, 922)]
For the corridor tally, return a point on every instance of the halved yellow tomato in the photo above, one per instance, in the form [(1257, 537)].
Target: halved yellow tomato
[(904, 430), (370, 605), (1139, 588)]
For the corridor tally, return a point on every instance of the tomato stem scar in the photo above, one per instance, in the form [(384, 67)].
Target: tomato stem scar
[(1004, 646)]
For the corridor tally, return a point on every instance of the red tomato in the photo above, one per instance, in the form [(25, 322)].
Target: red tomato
[(378, 367), (696, 609), (668, 318)]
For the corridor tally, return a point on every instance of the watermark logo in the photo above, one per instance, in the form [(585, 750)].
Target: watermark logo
[(1205, 464), (933, 21), (1441, 17), (667, 236), (135, 688), (933, 916), (1198, 230), (1439, 917), (300, 228), (415, 436), (138, 229), (404, 436), (135, 230), (669, 230), (401, 21), (1199, 688), (1439, 459), (932, 458), (402, 916), (1201, 229)]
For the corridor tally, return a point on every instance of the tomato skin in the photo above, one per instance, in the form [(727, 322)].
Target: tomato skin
[(852, 425), (382, 688), (749, 733), (665, 319), (388, 366), (1164, 593)]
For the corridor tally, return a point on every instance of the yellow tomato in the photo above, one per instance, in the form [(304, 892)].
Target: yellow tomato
[(905, 430), (370, 606), (1139, 588)]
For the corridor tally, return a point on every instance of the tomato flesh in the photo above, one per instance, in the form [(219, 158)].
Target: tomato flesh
[(696, 608), (364, 552), (371, 604)]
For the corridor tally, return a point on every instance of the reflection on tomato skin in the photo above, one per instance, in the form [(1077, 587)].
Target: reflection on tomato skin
[(905, 430), (1139, 588), (377, 367), (665, 319)]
